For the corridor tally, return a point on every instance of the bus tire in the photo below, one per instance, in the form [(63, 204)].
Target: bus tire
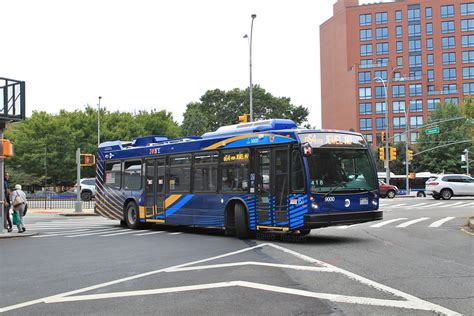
[(131, 216), (241, 224), (123, 223)]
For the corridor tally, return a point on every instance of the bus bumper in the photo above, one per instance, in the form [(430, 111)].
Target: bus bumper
[(325, 220)]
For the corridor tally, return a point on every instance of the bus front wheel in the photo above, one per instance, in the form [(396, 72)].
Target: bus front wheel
[(131, 216), (241, 225)]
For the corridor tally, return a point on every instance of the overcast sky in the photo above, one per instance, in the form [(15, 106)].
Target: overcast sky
[(148, 54)]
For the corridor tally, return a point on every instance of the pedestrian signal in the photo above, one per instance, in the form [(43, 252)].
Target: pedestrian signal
[(393, 153), (410, 154), (382, 153), (244, 118), (6, 148), (87, 160)]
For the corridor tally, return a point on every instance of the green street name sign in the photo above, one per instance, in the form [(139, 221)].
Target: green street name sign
[(433, 130)]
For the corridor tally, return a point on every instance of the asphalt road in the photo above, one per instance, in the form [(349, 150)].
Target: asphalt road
[(416, 261)]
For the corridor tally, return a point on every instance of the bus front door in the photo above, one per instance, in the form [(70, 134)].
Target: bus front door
[(154, 189), (272, 187)]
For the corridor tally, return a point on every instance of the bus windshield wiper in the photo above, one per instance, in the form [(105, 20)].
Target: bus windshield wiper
[(340, 184)]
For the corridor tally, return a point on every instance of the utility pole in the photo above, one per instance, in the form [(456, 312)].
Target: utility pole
[(78, 204), (466, 155)]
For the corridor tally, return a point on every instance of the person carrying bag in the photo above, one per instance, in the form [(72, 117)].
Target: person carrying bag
[(19, 204)]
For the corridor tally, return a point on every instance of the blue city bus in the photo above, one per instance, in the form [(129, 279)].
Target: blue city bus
[(267, 175)]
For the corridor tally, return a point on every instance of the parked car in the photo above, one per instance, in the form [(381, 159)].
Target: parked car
[(448, 185), (87, 189), (387, 190)]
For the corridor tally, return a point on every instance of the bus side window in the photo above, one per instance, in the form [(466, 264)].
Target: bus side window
[(297, 172), (132, 175), (113, 174), (179, 179)]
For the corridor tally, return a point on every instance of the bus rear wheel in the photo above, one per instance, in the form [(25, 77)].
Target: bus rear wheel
[(131, 216), (241, 225)]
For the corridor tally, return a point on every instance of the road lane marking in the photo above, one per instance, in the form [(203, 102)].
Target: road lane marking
[(175, 233), (441, 222), (131, 231), (398, 205), (388, 222), (463, 205), (431, 205), (406, 224), (451, 204), (151, 233), (344, 227), (419, 204), (95, 233), (61, 233)]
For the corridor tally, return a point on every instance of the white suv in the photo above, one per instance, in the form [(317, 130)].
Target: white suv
[(87, 189), (449, 185)]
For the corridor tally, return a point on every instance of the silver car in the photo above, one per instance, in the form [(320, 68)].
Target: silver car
[(448, 185)]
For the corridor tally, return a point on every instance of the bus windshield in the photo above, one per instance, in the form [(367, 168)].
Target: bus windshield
[(341, 170)]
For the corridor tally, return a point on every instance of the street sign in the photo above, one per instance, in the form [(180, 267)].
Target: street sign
[(432, 130)]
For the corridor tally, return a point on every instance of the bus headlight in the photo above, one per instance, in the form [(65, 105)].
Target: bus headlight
[(314, 206), (374, 202)]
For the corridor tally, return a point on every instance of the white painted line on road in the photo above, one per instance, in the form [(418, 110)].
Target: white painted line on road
[(441, 222), (431, 205), (398, 205), (151, 233), (406, 224), (419, 204), (95, 233), (388, 222), (61, 233), (64, 228), (344, 227), (253, 263), (463, 205), (175, 233), (451, 204), (131, 231)]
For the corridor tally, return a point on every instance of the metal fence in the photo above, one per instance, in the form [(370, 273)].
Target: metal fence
[(56, 201)]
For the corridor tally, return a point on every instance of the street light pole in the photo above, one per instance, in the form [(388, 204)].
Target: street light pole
[(253, 16), (98, 124), (406, 151)]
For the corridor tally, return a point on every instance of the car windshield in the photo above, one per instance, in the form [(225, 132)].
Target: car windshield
[(341, 170)]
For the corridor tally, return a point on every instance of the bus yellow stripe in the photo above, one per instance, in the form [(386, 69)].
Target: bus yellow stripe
[(171, 199)]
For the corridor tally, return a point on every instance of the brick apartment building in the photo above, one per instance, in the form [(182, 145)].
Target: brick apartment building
[(422, 49)]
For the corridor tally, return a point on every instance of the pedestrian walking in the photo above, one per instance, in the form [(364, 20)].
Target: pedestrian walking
[(7, 222), (19, 202)]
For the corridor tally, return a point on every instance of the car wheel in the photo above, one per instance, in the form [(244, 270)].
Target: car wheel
[(391, 194), (421, 194), (446, 194), (131, 216), (86, 196), (436, 197)]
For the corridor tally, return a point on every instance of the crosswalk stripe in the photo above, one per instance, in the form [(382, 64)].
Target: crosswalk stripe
[(441, 222), (131, 231), (150, 233), (431, 205), (64, 228), (463, 205), (419, 204), (388, 222), (399, 205), (451, 204), (175, 233), (406, 224), (344, 227), (95, 233), (61, 233)]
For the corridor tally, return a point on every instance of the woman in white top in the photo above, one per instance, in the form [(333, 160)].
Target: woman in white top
[(19, 202)]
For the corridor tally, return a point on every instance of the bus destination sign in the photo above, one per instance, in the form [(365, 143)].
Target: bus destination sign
[(332, 139)]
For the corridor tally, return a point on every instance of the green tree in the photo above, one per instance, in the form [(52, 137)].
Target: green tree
[(218, 108)]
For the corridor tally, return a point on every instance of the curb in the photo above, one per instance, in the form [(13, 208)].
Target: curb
[(16, 235), (78, 214)]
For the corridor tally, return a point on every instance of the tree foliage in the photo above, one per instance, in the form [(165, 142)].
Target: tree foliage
[(217, 108)]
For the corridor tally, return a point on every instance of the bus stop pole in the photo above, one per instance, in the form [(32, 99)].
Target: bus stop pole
[(78, 204)]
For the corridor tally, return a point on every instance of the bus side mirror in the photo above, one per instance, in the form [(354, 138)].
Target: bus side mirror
[(306, 149)]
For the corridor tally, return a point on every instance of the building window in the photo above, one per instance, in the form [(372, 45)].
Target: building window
[(414, 30), (366, 63), (449, 58), (413, 13), (365, 93), (414, 137), (429, 44), (468, 57), (467, 40), (467, 25), (429, 60), (366, 50), (398, 91), (414, 61), (365, 108), (382, 62), (454, 101), (381, 33), (381, 74), (429, 13), (399, 47), (433, 104), (430, 89), (382, 48), (379, 92), (365, 20), (467, 8), (398, 107), (430, 75), (399, 137), (369, 138), (399, 31), (365, 124), (364, 77), (415, 90), (400, 61), (450, 89), (381, 17), (398, 16), (365, 35), (399, 122), (416, 105), (449, 42), (429, 28), (447, 11), (447, 27), (415, 75), (468, 72), (449, 74), (380, 123), (416, 121), (380, 108), (414, 46), (468, 88)]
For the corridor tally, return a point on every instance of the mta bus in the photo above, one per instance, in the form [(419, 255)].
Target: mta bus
[(267, 175), (416, 182)]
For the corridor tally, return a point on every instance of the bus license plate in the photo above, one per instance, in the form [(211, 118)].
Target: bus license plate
[(364, 201)]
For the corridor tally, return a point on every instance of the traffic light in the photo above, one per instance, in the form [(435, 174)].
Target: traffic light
[(244, 118), (393, 153), (410, 154), (382, 153), (382, 137), (89, 160)]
